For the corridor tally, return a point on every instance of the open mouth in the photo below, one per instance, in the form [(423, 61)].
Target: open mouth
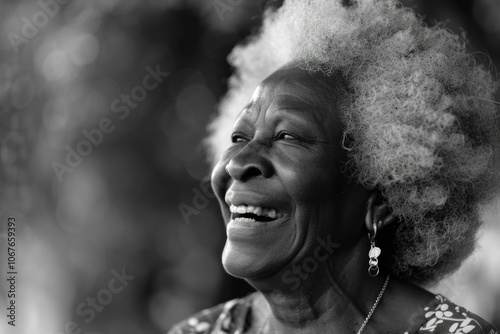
[(251, 213)]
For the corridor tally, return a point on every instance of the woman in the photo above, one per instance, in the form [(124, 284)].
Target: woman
[(360, 152)]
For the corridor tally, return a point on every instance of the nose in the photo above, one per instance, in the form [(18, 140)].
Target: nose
[(251, 161)]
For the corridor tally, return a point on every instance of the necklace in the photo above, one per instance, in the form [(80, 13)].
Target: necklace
[(381, 293)]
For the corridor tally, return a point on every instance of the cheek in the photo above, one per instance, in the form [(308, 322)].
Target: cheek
[(309, 183), (318, 193), (219, 180)]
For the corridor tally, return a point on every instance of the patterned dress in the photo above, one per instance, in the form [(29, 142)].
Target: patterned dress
[(440, 316)]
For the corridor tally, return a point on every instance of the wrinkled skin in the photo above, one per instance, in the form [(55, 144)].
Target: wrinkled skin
[(310, 264)]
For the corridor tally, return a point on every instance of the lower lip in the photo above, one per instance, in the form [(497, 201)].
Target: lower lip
[(238, 229)]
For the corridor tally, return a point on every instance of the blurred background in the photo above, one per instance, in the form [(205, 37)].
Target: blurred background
[(116, 232)]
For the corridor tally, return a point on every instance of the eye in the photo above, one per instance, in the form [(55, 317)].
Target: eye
[(238, 138), (285, 136)]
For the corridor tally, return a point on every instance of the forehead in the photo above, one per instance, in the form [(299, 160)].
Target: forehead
[(312, 88), (295, 88)]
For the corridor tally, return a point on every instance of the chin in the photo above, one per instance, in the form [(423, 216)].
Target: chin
[(250, 262)]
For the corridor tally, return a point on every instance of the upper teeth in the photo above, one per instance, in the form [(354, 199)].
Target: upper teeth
[(257, 210)]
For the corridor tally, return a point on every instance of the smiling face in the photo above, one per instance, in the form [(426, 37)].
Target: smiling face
[(280, 183)]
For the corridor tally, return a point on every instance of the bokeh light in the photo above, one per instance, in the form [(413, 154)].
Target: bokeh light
[(118, 207)]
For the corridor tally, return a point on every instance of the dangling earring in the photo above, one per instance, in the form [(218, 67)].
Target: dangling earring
[(374, 252)]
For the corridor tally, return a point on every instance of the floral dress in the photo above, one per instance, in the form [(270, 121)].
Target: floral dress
[(439, 316)]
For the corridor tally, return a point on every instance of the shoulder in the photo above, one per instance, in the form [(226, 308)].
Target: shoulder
[(443, 316), (218, 319)]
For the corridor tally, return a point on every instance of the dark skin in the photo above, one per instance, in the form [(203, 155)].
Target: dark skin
[(287, 155)]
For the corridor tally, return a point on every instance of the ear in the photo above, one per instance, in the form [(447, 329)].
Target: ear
[(378, 212)]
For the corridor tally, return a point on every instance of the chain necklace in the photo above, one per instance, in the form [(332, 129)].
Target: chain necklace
[(381, 293)]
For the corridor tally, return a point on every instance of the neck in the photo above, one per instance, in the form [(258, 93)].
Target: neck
[(337, 296)]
